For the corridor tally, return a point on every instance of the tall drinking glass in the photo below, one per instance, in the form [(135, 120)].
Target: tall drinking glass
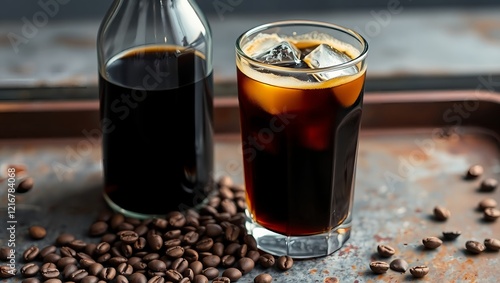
[(300, 91)]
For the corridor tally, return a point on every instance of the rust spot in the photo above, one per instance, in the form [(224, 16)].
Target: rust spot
[(331, 280), (381, 239), (348, 249), (313, 271)]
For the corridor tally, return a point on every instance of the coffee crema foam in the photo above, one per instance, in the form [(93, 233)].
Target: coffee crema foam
[(266, 41)]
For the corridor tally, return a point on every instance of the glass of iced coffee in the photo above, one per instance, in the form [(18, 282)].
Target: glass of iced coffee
[(300, 91)]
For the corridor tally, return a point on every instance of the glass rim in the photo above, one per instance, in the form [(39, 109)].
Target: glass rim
[(362, 55)]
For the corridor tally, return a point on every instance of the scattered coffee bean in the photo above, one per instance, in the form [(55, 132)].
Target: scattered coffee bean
[(487, 203), (254, 255), (64, 239), (5, 252), (25, 185), (98, 228), (49, 270), (210, 272), (419, 271), (7, 271), (31, 253), (379, 267), (399, 265), (451, 235), (137, 277), (200, 278), (232, 273), (30, 270), (474, 247), (441, 213), (221, 280), (474, 172), (431, 242), (37, 232), (31, 280), (488, 185), (492, 244), (284, 262), (491, 214), (53, 280), (267, 260), (263, 278), (385, 250)]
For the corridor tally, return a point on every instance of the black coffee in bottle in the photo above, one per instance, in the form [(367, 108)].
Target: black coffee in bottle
[(156, 93)]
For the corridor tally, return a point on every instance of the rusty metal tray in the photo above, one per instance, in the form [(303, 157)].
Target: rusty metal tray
[(415, 148)]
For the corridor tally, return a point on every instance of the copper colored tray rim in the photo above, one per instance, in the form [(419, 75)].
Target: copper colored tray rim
[(56, 119)]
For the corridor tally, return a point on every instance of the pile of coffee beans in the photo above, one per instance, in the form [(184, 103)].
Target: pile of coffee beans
[(490, 213), (209, 244)]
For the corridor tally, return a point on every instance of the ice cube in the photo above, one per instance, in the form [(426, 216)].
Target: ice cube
[(281, 54), (326, 56), (261, 43)]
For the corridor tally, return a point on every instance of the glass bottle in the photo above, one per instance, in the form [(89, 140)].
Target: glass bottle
[(156, 105)]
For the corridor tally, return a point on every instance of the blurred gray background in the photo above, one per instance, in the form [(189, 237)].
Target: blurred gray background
[(413, 44)]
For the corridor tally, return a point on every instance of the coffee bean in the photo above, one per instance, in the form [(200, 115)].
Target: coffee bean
[(487, 203), (7, 271), (137, 277), (53, 258), (37, 232), (29, 270), (228, 260), (175, 252), (213, 230), (190, 255), (5, 253), (246, 264), (98, 228), (228, 206), (385, 250), (67, 251), (107, 273), (226, 193), (25, 185), (124, 269), (53, 280), (221, 280), (103, 258), (89, 279), (474, 172), (155, 242), (157, 265), (254, 255), (488, 185), (123, 279), (232, 248), (63, 261), (232, 273), (232, 233), (419, 271), (204, 245), (196, 266), (251, 242), (267, 260), (173, 275), (95, 269), (31, 253), (47, 250), (200, 278), (441, 213), (491, 214), (284, 262), (86, 262), (492, 244), (210, 272), (49, 270), (379, 267), (210, 261), (176, 219), (31, 280), (399, 265), (474, 247), (150, 256), (263, 278), (68, 270), (431, 242), (77, 245), (108, 238), (64, 239), (128, 237), (116, 220), (180, 265), (451, 235)]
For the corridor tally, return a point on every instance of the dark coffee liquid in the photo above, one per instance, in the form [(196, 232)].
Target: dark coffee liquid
[(156, 114), (299, 151)]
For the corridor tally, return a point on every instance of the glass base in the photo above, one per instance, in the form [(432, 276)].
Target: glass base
[(299, 246), (115, 207)]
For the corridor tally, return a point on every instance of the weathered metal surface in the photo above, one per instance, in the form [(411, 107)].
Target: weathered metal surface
[(403, 172)]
